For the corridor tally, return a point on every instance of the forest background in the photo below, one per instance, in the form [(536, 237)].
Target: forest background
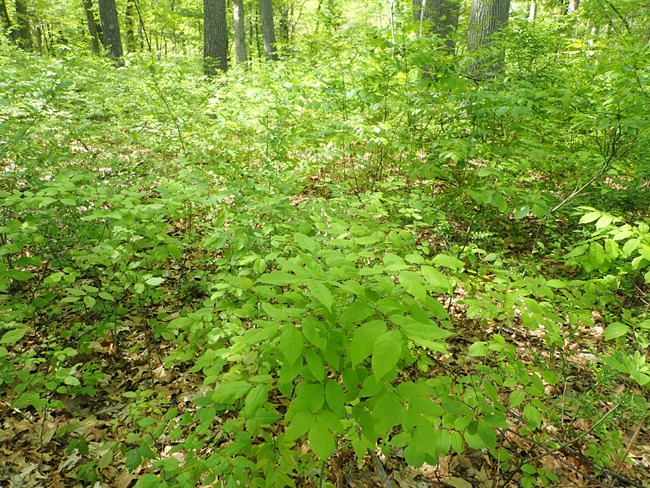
[(333, 243)]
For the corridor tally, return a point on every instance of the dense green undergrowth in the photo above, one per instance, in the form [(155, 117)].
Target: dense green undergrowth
[(335, 256)]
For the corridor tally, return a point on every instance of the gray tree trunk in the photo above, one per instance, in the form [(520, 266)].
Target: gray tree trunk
[(4, 15), (22, 27), (111, 30), (572, 8), (486, 18), (240, 31), (532, 12), (130, 23), (268, 29), (442, 17), (215, 37), (417, 11), (92, 25)]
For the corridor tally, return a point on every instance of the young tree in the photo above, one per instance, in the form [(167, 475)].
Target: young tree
[(111, 30), (215, 37), (268, 30), (92, 25), (240, 31), (23, 31), (442, 18), (486, 18)]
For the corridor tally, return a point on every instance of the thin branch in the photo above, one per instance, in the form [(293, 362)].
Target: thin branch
[(380, 469)]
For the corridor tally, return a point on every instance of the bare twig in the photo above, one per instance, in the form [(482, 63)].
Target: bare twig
[(380, 469)]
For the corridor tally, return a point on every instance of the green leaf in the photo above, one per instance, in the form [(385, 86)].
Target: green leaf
[(321, 441), (616, 329), (386, 353), (278, 278), (155, 281), (148, 481), (630, 246), (13, 336), (321, 293), (300, 423), (315, 365), (17, 274), (447, 261), (256, 398), (478, 349), (590, 217), (533, 416), (487, 434), (438, 281), (228, 393), (521, 212), (412, 283), (556, 284), (291, 343), (516, 398), (356, 313), (499, 202), (597, 255), (363, 340), (604, 221), (71, 380), (305, 242), (334, 396), (386, 413)]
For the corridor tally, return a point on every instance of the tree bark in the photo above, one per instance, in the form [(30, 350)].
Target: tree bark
[(130, 21), (111, 30), (92, 25), (572, 8), (417, 11), (442, 17), (486, 19), (532, 12), (215, 37), (22, 26), (4, 16), (268, 29), (240, 31)]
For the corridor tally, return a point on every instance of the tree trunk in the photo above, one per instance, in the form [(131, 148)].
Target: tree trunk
[(4, 16), (572, 8), (442, 17), (92, 25), (532, 12), (22, 27), (240, 31), (417, 11), (111, 30), (215, 37), (130, 21), (268, 30), (486, 18)]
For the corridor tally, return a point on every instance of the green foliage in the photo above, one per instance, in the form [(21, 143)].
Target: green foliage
[(362, 259)]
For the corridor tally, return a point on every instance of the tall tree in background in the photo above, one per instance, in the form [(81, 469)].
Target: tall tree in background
[(532, 11), (22, 28), (215, 37), (573, 6), (240, 31), (5, 21), (92, 25), (486, 18), (442, 18), (268, 29), (111, 30)]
